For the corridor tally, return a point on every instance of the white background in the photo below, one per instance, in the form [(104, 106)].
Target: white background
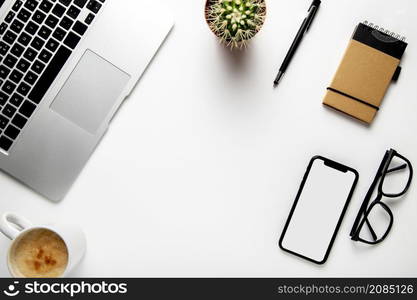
[(199, 170)]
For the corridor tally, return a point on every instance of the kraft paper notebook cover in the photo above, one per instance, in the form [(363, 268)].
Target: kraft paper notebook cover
[(370, 64)]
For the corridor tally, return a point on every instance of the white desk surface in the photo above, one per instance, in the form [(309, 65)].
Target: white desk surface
[(198, 172)]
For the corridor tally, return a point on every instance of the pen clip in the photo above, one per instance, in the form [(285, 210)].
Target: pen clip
[(313, 10)]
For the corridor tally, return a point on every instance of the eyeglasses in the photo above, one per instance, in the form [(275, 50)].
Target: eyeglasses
[(394, 177)]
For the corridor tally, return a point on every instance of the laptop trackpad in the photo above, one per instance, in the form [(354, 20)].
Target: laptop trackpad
[(90, 92)]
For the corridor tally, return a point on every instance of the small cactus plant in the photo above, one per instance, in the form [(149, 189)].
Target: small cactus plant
[(235, 21)]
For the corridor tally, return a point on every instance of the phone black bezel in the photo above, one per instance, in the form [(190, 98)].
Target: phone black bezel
[(335, 165)]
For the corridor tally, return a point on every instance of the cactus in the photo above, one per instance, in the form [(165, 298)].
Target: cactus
[(236, 21)]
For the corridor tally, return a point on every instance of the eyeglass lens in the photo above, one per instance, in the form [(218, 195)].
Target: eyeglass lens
[(378, 224), (397, 176)]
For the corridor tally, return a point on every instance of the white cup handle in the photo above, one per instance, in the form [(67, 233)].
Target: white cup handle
[(12, 225)]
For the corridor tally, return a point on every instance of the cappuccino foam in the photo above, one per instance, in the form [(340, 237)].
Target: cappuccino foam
[(40, 253)]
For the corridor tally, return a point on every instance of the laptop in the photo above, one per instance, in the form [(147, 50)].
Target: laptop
[(65, 68)]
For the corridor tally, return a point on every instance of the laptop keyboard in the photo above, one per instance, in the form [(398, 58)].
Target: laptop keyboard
[(36, 40)]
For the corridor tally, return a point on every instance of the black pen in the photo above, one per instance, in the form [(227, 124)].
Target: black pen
[(299, 37)]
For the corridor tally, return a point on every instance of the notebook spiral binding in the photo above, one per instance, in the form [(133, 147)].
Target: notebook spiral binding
[(386, 31)]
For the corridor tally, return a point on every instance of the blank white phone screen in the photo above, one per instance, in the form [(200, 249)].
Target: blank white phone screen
[(318, 211)]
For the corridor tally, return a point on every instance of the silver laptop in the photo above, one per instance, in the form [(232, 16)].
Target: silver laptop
[(65, 68)]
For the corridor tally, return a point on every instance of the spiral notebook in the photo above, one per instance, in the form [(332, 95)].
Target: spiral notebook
[(371, 62)]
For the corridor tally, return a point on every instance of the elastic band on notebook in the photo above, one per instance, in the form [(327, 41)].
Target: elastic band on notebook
[(353, 98)]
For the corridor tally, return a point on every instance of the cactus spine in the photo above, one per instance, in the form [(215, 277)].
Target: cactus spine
[(236, 21)]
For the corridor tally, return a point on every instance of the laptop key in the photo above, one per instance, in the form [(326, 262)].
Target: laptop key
[(94, 6), (19, 121), (38, 17), (16, 76), (32, 27), (3, 27), (17, 50), (59, 34), (10, 61), (73, 12), (9, 37), (3, 121), (24, 15), (17, 5), (8, 87), (24, 38), (12, 132), (31, 77), (46, 6), (80, 28), (51, 21), (38, 67), (58, 10), (17, 26), (66, 23), (5, 143), (72, 40), (80, 3), (23, 89), (89, 19), (49, 75), (4, 72), (27, 109), (3, 98), (9, 17), (31, 4), (16, 100), (65, 2), (9, 110), (23, 65), (37, 43), (30, 54), (52, 45), (45, 56), (4, 48), (44, 32)]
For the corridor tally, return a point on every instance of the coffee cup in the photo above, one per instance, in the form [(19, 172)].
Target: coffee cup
[(45, 251)]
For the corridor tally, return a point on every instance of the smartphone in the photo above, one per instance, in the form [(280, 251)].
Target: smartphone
[(318, 210)]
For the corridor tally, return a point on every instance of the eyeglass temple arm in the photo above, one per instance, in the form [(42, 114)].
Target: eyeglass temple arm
[(362, 211), (374, 236), (355, 234), (401, 167), (367, 198)]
